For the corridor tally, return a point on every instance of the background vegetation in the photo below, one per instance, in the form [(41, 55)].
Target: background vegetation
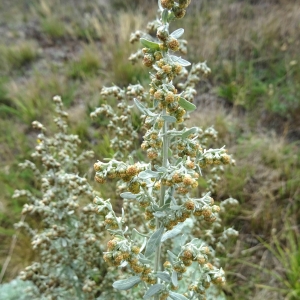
[(74, 48)]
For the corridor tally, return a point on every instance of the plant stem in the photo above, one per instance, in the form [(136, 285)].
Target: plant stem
[(157, 264)]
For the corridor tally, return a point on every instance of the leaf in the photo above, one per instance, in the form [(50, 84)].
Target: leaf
[(175, 207), (143, 109), (177, 33), (128, 195), (154, 289), (160, 169), (163, 276), (173, 232), (149, 44), (176, 296), (64, 242), (169, 119), (186, 104), (159, 214), (164, 16), (159, 6), (180, 60), (172, 256), (144, 260), (148, 174), (189, 132), (174, 278), (183, 62), (170, 152), (154, 241), (126, 284)]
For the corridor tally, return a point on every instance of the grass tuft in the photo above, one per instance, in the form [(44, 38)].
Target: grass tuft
[(13, 58), (87, 64)]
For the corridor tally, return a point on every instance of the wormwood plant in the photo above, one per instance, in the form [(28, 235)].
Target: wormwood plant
[(166, 236), (69, 238)]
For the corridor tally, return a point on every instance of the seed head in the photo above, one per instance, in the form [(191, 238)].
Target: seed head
[(134, 187), (152, 154), (112, 244), (168, 4), (158, 95), (179, 12), (173, 44), (148, 60), (177, 68), (132, 170), (167, 69), (184, 3), (169, 97), (189, 205), (225, 159), (135, 249), (99, 178)]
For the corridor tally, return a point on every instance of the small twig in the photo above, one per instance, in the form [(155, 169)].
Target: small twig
[(11, 250)]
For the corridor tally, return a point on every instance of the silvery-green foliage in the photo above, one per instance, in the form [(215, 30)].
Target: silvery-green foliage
[(168, 244), (69, 239), (14, 290)]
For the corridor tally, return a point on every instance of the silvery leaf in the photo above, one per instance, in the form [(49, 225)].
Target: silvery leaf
[(144, 260), (154, 289), (128, 195), (160, 169), (153, 242), (126, 284), (188, 132), (176, 207), (174, 278), (143, 109), (173, 232), (124, 264), (180, 60), (176, 296), (169, 119), (148, 174), (159, 214), (172, 256), (177, 33), (183, 62), (163, 276), (159, 6)]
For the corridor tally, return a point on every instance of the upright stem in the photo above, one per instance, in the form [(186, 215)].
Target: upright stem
[(165, 149)]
